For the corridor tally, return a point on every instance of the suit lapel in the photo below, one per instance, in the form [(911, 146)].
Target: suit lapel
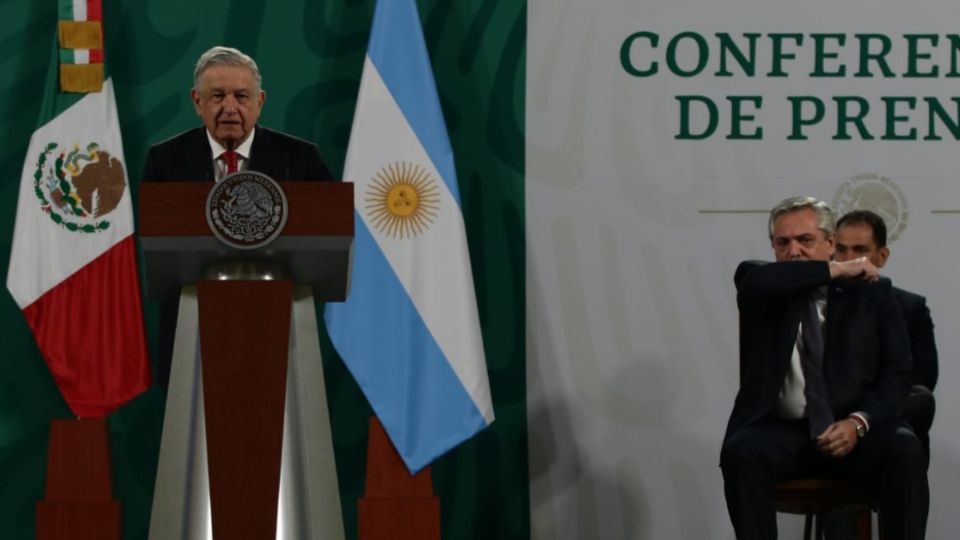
[(264, 155), (199, 160), (837, 307)]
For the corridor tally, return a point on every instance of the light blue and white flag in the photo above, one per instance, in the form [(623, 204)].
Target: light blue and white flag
[(409, 331)]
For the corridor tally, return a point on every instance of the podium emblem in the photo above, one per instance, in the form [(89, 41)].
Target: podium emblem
[(247, 210)]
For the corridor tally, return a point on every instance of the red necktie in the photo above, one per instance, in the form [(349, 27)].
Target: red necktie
[(230, 157)]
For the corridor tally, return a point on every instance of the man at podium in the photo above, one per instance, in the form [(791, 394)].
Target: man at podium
[(228, 97)]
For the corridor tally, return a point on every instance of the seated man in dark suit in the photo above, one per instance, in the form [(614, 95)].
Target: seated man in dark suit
[(825, 372), (228, 97), (862, 233)]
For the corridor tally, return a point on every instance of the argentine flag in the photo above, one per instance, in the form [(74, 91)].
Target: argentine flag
[(409, 331)]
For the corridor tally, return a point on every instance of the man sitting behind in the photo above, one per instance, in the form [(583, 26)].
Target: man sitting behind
[(862, 233)]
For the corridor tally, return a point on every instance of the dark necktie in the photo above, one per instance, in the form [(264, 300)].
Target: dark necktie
[(230, 158), (815, 386)]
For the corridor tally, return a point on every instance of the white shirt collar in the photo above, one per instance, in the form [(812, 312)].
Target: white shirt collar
[(244, 149)]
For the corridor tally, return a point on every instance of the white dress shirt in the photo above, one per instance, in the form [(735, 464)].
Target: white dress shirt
[(791, 403), (243, 155)]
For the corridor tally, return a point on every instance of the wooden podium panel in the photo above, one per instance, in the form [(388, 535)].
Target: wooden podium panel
[(313, 248), (244, 342), (177, 209)]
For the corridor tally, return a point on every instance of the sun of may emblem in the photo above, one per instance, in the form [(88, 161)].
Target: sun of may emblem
[(402, 200), (77, 188)]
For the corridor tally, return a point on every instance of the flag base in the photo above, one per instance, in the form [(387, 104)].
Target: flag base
[(78, 503), (78, 520), (397, 505)]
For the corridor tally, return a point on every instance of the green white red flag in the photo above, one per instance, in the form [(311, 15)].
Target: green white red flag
[(73, 262)]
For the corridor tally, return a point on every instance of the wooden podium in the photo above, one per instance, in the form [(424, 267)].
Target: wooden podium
[(245, 328)]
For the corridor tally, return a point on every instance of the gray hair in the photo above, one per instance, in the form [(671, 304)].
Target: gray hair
[(224, 56), (826, 219)]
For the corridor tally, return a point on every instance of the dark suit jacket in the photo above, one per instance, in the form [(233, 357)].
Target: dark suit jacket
[(923, 346), (186, 157), (866, 352)]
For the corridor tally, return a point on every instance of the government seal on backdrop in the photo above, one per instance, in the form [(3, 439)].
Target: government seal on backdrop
[(247, 210), (871, 191)]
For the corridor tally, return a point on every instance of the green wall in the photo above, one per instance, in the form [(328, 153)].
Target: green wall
[(310, 53)]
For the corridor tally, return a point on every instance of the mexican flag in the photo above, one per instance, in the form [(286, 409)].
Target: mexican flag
[(72, 264)]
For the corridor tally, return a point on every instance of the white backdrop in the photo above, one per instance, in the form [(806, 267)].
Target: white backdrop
[(633, 236)]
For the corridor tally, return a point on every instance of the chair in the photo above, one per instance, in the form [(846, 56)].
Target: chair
[(816, 497)]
